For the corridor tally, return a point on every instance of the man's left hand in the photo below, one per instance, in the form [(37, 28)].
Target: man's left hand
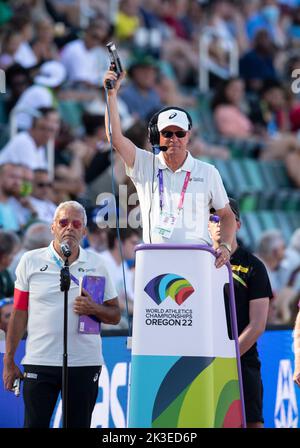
[(84, 304)]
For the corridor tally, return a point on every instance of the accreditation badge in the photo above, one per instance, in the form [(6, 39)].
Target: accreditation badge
[(166, 224)]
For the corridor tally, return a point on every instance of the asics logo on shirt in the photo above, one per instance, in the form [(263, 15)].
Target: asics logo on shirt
[(44, 268)]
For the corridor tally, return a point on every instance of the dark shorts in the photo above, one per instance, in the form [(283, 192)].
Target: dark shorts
[(42, 385), (253, 390)]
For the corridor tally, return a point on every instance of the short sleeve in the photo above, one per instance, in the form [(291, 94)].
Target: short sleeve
[(22, 278), (142, 162), (259, 285), (218, 192), (110, 291)]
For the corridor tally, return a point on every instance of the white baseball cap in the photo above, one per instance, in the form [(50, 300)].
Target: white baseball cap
[(51, 74), (173, 117)]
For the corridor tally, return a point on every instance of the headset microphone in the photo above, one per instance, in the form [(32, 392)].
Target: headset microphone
[(158, 148)]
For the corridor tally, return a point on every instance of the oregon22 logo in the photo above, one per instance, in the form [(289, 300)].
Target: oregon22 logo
[(169, 285)]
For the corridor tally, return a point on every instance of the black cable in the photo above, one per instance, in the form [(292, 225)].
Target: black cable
[(117, 215)]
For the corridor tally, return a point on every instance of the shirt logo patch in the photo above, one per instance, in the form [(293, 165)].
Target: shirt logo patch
[(80, 270), (44, 268), (197, 179)]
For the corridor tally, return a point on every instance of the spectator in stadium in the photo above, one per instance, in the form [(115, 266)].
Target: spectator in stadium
[(163, 223), (44, 45), (231, 121), (271, 250), (267, 17), (257, 64), (28, 147), (42, 94), (65, 186), (36, 236), (140, 94), (17, 81), (21, 205), (11, 41), (262, 127), (6, 307), (274, 110), (86, 59), (41, 197), (37, 290), (24, 55), (96, 237), (292, 253), (129, 239), (11, 178), (9, 244), (96, 156), (127, 20), (252, 292)]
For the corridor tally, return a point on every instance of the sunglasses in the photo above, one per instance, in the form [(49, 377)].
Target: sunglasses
[(169, 134), (214, 218), (76, 223), (44, 184)]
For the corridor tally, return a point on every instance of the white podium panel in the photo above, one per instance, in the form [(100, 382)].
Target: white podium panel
[(185, 370)]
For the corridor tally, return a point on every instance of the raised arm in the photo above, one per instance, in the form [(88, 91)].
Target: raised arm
[(122, 144)]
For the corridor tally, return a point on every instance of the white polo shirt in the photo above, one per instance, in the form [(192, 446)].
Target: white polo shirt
[(205, 190), (83, 64), (22, 149), (38, 274), (31, 99)]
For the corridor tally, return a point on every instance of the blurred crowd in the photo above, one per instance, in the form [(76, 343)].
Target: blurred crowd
[(53, 145)]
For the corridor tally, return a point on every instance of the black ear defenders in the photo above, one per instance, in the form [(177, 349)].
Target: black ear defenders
[(153, 132)]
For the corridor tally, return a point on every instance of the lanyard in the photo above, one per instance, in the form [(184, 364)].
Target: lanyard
[(161, 190), (60, 264)]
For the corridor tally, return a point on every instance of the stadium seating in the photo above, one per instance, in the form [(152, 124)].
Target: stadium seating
[(266, 196)]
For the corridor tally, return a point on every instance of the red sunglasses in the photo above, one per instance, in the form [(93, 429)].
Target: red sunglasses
[(76, 223)]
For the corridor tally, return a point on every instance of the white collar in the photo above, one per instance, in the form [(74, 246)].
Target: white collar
[(188, 164)]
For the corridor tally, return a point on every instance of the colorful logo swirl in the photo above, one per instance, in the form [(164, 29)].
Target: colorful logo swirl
[(169, 285)]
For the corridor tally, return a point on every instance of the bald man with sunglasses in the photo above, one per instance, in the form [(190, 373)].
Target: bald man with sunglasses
[(39, 307), (175, 190)]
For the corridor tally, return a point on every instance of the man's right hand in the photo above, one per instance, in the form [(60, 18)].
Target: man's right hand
[(10, 372), (112, 76)]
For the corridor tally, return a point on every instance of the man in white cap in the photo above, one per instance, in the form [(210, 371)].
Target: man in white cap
[(175, 190), (43, 93)]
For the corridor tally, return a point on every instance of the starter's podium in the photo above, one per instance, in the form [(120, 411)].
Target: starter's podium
[(185, 368)]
